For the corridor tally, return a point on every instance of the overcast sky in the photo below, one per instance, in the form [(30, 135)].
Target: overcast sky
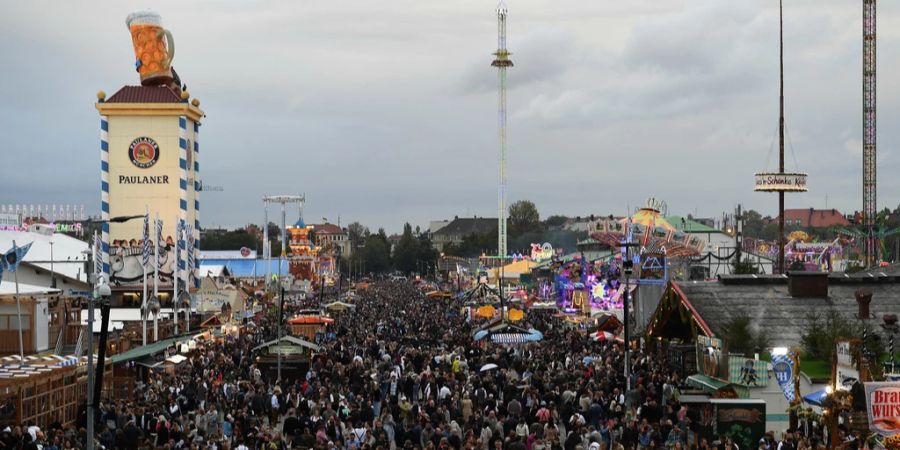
[(385, 111)]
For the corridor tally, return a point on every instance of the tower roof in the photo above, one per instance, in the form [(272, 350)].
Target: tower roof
[(145, 94), (300, 223)]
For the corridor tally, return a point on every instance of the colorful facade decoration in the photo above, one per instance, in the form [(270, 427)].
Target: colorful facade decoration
[(304, 261)]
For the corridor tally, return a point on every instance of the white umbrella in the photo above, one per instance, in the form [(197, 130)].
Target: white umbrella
[(487, 367)]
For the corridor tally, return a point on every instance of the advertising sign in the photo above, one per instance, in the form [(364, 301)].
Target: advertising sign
[(780, 182), (210, 297), (742, 421), (783, 366), (883, 407), (846, 370), (541, 252)]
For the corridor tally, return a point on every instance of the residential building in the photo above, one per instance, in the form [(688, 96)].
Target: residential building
[(331, 235), (814, 218), (435, 225), (460, 227)]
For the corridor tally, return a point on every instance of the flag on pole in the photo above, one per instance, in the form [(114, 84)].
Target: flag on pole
[(159, 226), (14, 256), (98, 256), (145, 248), (189, 232)]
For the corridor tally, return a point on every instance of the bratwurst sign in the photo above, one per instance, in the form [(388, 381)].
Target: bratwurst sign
[(883, 407)]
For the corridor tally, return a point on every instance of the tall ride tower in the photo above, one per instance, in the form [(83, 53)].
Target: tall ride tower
[(869, 156), (502, 62)]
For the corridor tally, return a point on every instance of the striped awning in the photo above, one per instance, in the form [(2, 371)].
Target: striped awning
[(509, 338)]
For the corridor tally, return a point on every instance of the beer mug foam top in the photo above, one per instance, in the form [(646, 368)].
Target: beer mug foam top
[(154, 47)]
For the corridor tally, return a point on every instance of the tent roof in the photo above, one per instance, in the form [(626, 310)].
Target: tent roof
[(150, 349), (68, 261), (292, 340), (9, 288), (243, 268)]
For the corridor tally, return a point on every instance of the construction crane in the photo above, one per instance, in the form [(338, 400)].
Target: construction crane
[(502, 62), (870, 207)]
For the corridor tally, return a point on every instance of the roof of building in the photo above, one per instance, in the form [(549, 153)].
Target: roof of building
[(468, 225), (690, 225), (214, 270), (226, 254), (769, 305), (68, 261), (150, 349), (26, 289), (145, 94), (291, 340), (327, 228), (242, 268), (816, 218)]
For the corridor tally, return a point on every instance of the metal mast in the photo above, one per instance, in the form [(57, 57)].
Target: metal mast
[(501, 62), (869, 155), (781, 243)]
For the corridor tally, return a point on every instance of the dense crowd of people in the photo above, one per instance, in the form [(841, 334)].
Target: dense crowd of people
[(403, 371)]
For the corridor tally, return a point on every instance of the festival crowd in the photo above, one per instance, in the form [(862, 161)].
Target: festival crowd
[(403, 371)]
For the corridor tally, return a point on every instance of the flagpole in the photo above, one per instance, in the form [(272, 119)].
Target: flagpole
[(18, 309), (156, 245), (175, 275), (187, 279), (144, 267)]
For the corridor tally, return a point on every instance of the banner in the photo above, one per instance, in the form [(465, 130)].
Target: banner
[(14, 256), (783, 366), (883, 407)]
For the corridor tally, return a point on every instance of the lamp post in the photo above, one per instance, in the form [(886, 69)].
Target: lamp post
[(102, 292), (628, 265)]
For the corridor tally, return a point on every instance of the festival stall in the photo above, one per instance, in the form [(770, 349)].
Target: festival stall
[(296, 354)]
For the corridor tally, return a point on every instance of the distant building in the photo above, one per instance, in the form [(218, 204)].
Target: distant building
[(436, 225), (814, 218), (579, 224), (455, 231), (393, 240), (326, 234)]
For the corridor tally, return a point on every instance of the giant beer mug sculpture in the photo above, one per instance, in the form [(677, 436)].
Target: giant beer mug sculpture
[(154, 48)]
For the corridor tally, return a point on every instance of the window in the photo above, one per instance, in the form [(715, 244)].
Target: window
[(14, 322), (4, 323)]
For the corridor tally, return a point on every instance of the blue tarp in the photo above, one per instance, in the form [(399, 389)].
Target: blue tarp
[(816, 398), (247, 267)]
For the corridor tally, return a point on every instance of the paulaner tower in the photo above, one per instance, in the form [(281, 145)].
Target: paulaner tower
[(502, 62)]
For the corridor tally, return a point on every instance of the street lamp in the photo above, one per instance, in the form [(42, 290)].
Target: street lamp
[(102, 292)]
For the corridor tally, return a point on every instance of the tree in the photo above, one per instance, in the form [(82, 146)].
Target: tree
[(753, 223), (822, 328), (740, 337), (523, 217), (769, 232), (230, 240), (405, 251), (357, 233), (377, 253), (425, 251), (555, 221), (745, 267), (274, 230)]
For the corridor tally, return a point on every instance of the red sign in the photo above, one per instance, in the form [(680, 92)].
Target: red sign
[(883, 407)]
